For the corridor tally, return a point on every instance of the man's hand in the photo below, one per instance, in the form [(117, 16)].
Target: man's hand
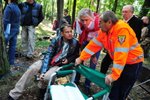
[(108, 80), (78, 61)]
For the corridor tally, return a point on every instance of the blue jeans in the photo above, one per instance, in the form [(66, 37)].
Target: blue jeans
[(11, 41), (121, 87)]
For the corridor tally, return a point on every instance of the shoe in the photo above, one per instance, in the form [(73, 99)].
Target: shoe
[(29, 57), (42, 93), (10, 98), (14, 68)]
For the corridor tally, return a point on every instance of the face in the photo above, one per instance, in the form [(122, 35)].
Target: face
[(85, 20), (105, 26), (145, 20), (126, 13), (65, 13), (67, 33)]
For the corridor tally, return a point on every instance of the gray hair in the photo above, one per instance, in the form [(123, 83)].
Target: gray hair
[(130, 7), (109, 15), (85, 12)]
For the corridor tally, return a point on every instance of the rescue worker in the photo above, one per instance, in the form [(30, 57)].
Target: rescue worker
[(145, 36), (117, 37)]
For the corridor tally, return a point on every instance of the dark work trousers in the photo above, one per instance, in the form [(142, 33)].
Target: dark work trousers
[(121, 87), (105, 63)]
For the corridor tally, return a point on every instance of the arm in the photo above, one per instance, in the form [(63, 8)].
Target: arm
[(48, 57), (93, 46), (7, 16), (6, 21), (41, 16), (121, 50)]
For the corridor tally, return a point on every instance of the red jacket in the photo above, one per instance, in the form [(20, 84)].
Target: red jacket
[(85, 32)]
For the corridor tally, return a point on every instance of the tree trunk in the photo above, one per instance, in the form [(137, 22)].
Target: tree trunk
[(145, 8), (60, 7), (4, 64), (52, 13), (115, 6), (73, 11), (97, 8)]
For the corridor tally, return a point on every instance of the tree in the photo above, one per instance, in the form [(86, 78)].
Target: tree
[(115, 6), (97, 8), (4, 64), (60, 7), (145, 8), (73, 11)]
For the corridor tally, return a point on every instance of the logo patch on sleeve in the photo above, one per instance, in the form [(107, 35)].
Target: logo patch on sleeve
[(121, 38)]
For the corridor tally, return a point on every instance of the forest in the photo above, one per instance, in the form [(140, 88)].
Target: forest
[(53, 10)]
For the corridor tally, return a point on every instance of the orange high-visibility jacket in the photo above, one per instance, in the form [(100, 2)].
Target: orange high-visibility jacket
[(122, 46)]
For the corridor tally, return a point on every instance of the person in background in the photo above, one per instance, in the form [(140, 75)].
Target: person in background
[(11, 21), (62, 50), (145, 36), (31, 16), (134, 22), (86, 26), (66, 16), (118, 38)]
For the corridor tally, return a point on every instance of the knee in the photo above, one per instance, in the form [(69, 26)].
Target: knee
[(35, 67)]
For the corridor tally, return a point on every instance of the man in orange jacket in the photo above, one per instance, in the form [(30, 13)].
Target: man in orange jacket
[(120, 40)]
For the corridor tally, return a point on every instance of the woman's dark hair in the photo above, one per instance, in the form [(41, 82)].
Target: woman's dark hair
[(63, 26), (66, 10), (15, 1)]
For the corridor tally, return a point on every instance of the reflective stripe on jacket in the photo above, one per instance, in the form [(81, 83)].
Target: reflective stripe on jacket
[(122, 45)]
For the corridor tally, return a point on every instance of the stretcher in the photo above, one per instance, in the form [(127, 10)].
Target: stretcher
[(69, 90)]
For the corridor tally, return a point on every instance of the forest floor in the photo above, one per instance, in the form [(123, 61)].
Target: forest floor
[(31, 93)]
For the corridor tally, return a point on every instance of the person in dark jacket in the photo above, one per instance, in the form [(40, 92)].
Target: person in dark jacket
[(66, 16), (31, 16), (145, 36), (134, 22), (62, 50), (11, 21)]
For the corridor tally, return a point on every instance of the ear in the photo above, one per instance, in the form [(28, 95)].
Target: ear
[(62, 33), (109, 22)]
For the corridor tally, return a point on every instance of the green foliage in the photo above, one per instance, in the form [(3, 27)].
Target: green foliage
[(104, 5), (42, 44), (147, 61)]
